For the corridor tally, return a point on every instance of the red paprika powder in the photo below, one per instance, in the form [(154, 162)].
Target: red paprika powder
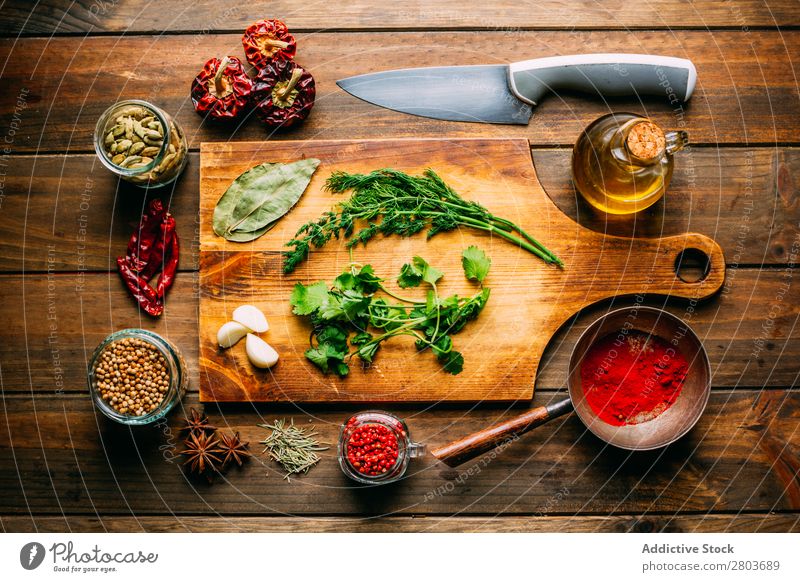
[(632, 377)]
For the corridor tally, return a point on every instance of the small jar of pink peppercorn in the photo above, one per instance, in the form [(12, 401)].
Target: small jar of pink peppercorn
[(375, 447)]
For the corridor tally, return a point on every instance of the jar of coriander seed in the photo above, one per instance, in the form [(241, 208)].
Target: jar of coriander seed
[(141, 143), (136, 376)]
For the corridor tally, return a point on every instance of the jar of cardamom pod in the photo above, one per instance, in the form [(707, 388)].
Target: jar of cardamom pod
[(140, 143)]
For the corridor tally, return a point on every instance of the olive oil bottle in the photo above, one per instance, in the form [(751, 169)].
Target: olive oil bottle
[(622, 163)]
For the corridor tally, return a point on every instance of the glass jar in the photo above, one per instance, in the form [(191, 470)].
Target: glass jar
[(622, 162), (375, 447), (141, 143), (174, 365)]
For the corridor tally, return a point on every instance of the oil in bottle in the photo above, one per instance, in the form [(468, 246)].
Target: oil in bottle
[(622, 163)]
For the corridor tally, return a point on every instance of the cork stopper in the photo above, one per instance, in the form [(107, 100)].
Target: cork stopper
[(646, 140)]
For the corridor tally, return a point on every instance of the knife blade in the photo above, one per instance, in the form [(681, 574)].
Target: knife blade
[(506, 94)]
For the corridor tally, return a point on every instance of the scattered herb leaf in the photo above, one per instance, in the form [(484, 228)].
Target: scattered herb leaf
[(308, 299), (476, 264), (259, 197)]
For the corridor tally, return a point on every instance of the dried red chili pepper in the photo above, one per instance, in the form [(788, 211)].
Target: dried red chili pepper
[(268, 40), (284, 93), (140, 289), (152, 247), (170, 267), (222, 89), (143, 240)]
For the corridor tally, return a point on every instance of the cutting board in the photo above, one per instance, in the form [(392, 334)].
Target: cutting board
[(529, 299)]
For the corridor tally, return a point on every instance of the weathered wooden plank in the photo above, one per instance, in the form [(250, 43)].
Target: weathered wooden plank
[(750, 330), (60, 16), (746, 199), (743, 522), (745, 94), (60, 457)]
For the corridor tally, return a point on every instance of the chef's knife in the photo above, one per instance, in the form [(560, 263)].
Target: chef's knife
[(508, 93)]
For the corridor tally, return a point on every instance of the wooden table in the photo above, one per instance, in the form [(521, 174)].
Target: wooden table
[(65, 219)]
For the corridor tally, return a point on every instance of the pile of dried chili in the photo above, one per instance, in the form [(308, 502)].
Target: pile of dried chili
[(153, 247), (282, 91), (222, 89)]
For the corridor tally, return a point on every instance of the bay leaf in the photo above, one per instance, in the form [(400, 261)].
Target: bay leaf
[(259, 197)]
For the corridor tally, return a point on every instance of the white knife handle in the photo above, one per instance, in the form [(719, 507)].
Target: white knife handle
[(607, 75)]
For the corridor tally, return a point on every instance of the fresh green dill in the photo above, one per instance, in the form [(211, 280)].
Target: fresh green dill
[(392, 202)]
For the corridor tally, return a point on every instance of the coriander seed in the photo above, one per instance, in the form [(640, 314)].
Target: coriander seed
[(136, 376)]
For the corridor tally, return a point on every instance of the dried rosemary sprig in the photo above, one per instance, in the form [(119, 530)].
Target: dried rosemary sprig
[(294, 448)]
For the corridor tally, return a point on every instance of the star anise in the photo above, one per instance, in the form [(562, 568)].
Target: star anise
[(197, 423), (202, 454), (233, 449)]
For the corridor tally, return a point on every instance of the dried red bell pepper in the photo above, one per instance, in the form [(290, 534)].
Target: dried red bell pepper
[(152, 247), (222, 89), (268, 40), (284, 93)]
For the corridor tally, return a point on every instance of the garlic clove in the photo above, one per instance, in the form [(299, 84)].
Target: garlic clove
[(252, 317), (230, 333), (261, 354)]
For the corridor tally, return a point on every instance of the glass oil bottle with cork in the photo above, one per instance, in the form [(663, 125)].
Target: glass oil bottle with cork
[(622, 162)]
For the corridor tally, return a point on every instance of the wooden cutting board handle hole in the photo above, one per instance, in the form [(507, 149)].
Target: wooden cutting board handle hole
[(692, 265)]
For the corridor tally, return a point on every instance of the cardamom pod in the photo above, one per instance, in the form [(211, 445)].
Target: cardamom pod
[(109, 138), (138, 129), (118, 130), (150, 151), (167, 163), (123, 145), (136, 148), (130, 160), (118, 159), (132, 111)]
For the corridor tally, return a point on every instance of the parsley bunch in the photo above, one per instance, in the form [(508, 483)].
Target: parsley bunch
[(405, 205), (342, 315)]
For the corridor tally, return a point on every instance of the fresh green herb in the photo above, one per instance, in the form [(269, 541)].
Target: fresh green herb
[(476, 264), (342, 315), (414, 273), (258, 198), (294, 448), (405, 205)]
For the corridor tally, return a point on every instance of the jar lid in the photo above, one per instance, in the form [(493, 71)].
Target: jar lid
[(646, 140)]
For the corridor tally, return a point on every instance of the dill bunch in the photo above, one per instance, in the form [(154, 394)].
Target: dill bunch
[(392, 202)]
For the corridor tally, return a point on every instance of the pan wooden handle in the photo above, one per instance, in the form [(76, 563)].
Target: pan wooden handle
[(477, 443)]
